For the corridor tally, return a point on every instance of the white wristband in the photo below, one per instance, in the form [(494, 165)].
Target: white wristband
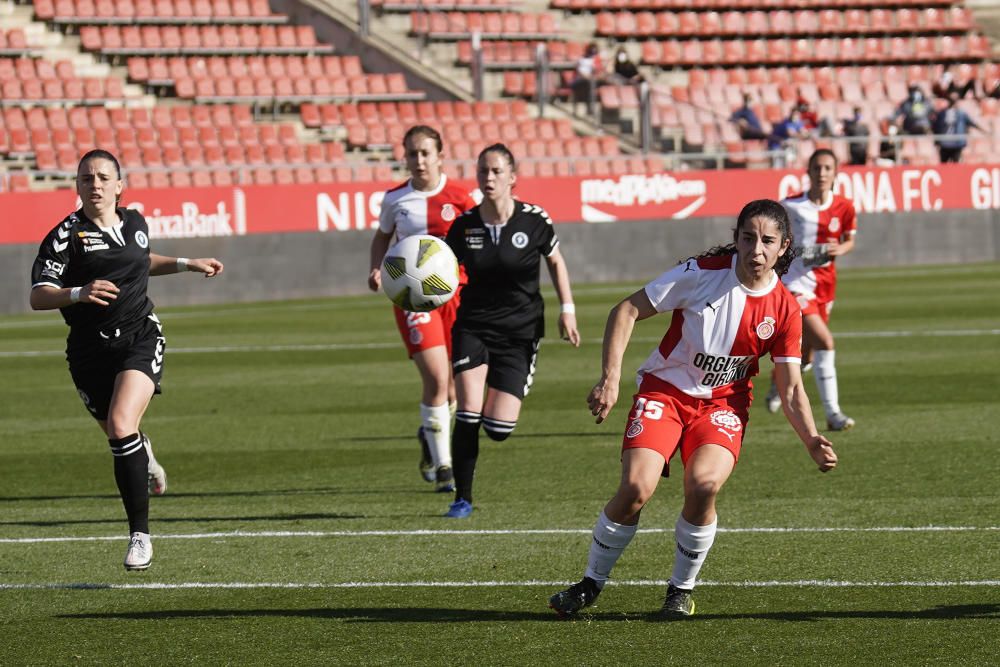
[(567, 308), (74, 295), (182, 264)]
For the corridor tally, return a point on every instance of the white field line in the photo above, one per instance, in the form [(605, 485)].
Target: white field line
[(480, 533), (334, 347), (801, 583)]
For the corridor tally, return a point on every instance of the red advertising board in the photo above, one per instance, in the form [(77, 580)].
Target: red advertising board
[(264, 209)]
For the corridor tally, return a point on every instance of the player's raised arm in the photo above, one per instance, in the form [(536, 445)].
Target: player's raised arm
[(617, 332)]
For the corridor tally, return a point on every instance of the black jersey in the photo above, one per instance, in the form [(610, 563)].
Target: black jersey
[(503, 266), (77, 252)]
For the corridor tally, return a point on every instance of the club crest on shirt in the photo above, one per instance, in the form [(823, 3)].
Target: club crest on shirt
[(448, 213), (520, 240), (726, 419), (766, 328), (142, 239)]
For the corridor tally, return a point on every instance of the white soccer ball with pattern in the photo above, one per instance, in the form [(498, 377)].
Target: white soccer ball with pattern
[(420, 273)]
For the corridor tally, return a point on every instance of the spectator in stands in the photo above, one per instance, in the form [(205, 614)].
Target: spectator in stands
[(811, 121), (588, 76), (991, 86), (913, 116), (626, 70), (783, 133), (952, 124), (856, 130), (747, 122), (947, 84), (94, 266), (888, 146)]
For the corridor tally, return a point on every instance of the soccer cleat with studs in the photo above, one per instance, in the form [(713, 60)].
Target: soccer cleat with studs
[(426, 464), (839, 422), (569, 602), (445, 480), (460, 509), (678, 603), (140, 552)]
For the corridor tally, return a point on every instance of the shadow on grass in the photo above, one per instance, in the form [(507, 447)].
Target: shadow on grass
[(193, 519), (203, 494), (436, 615), (354, 615), (941, 613)]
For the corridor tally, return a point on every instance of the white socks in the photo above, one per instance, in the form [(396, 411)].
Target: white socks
[(693, 543), (436, 421), (826, 381), (610, 540)]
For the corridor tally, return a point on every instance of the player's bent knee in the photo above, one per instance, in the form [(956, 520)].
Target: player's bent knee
[(704, 490), (497, 429)]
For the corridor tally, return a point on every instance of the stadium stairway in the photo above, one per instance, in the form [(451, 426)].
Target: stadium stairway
[(435, 63)]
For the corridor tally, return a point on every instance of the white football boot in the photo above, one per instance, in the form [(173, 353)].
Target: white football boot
[(839, 422), (773, 400), (140, 552)]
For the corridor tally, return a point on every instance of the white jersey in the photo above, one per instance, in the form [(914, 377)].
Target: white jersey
[(407, 211), (719, 328), (814, 275)]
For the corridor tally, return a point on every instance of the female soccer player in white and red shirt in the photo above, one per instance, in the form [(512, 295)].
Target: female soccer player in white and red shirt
[(729, 308), (426, 204), (824, 225)]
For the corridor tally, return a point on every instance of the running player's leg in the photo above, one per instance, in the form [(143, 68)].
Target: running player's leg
[(614, 530), (704, 474), (816, 332), (435, 417), (470, 366), (708, 462), (132, 392), (511, 374), (469, 385), (652, 434), (427, 337)]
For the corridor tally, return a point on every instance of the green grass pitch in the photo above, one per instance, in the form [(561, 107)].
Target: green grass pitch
[(297, 530)]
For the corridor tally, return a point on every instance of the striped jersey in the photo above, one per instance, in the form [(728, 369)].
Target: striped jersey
[(812, 224), (407, 211), (719, 328)]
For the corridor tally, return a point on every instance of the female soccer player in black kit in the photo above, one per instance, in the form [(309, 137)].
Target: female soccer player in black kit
[(94, 267), (500, 320)]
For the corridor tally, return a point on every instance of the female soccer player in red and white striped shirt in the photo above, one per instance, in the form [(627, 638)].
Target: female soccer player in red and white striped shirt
[(729, 308), (425, 204)]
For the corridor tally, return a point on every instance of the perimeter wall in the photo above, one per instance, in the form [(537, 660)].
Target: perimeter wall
[(281, 242)]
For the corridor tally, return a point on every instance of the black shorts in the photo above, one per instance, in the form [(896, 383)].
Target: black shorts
[(511, 361), (94, 364)]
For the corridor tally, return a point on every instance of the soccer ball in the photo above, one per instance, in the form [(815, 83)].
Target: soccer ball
[(420, 273)]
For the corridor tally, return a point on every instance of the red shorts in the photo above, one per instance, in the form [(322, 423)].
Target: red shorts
[(663, 417), (820, 300), (422, 331), (815, 306)]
